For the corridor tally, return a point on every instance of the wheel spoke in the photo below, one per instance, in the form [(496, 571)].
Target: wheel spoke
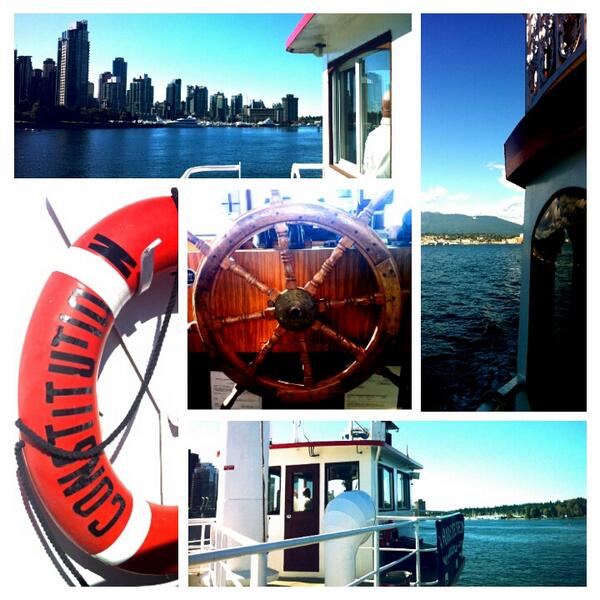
[(307, 372), (368, 300), (229, 264), (341, 339), (267, 347), (313, 285), (283, 240), (220, 322)]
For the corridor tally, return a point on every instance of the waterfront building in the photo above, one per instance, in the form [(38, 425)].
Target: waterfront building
[(23, 73), (218, 107), (104, 77), (72, 66), (112, 97), (236, 108), (49, 82), (173, 100), (119, 70), (140, 97), (192, 462), (290, 108), (36, 86), (196, 101)]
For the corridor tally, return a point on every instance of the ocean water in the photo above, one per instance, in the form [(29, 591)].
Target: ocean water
[(546, 552), (164, 152), (469, 322)]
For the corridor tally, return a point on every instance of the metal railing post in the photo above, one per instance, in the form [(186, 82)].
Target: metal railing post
[(418, 554), (258, 570), (376, 555)]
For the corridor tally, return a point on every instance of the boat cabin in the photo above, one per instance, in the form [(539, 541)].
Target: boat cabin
[(304, 476), (369, 61)]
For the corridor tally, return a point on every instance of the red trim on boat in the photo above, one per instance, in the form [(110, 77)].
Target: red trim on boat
[(335, 443), (298, 30)]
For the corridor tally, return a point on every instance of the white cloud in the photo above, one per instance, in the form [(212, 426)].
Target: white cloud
[(492, 166)]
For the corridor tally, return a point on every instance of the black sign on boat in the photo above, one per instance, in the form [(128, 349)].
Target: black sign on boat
[(450, 535)]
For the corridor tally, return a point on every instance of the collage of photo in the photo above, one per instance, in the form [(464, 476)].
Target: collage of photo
[(338, 261)]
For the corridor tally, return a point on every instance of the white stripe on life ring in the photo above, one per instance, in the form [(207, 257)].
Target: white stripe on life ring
[(94, 272), (131, 538)]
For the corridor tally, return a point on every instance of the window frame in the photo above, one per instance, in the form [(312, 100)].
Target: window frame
[(403, 490), (278, 511), (331, 464), (381, 468), (343, 166)]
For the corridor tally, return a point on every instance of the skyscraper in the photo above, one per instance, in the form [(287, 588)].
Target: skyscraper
[(49, 82), (218, 107), (140, 97), (104, 77), (173, 99), (119, 70), (237, 106), (72, 66), (290, 108), (23, 72)]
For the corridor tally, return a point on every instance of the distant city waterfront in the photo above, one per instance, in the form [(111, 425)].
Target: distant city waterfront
[(164, 152)]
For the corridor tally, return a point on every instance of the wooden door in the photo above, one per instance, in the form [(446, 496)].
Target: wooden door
[(301, 516)]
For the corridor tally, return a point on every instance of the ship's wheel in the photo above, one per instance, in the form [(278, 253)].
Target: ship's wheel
[(303, 309)]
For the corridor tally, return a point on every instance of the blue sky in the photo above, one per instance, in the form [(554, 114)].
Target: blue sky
[(233, 53), (472, 98), (465, 463)]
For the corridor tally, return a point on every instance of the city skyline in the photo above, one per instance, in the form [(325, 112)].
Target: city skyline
[(472, 98), (465, 463), (200, 53)]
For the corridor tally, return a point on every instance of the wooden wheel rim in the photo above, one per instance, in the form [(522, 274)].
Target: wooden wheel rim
[(370, 247)]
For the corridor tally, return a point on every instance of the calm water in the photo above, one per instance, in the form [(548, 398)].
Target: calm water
[(164, 152), (549, 552), (469, 322)]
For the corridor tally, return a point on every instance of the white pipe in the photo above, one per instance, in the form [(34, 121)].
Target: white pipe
[(349, 510)]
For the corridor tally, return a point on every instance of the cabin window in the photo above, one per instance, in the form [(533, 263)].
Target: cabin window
[(360, 86), (556, 365), (274, 499), (340, 477), (385, 486), (303, 490), (403, 486)]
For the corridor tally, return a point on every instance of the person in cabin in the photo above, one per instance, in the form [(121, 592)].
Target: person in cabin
[(376, 157)]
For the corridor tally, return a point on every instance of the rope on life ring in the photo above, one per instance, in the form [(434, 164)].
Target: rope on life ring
[(58, 409)]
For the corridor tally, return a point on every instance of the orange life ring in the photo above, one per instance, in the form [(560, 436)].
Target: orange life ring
[(57, 390)]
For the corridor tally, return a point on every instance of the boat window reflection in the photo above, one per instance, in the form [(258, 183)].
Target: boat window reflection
[(274, 498), (341, 477), (303, 492), (385, 478)]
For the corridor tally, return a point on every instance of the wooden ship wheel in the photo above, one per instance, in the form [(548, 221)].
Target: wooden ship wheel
[(298, 305)]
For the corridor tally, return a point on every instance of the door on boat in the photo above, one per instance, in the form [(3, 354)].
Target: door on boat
[(301, 516)]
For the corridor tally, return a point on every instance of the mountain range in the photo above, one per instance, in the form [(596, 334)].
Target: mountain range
[(433, 223)]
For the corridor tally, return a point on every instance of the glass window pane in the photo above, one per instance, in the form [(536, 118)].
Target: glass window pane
[(274, 499), (376, 107), (403, 491), (341, 477), (385, 476), (302, 484)]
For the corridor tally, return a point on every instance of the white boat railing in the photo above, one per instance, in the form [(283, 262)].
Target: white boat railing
[(213, 169), (297, 169), (213, 556)]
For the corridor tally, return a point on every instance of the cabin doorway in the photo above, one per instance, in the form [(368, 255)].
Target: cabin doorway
[(301, 516)]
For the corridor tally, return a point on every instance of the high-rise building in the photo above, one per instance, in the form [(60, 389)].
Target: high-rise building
[(36, 87), (202, 109), (104, 77), (218, 107), (72, 66), (49, 82), (196, 102), (140, 97), (119, 70), (205, 485), (173, 99), (290, 108), (192, 462), (23, 73), (236, 108), (112, 97)]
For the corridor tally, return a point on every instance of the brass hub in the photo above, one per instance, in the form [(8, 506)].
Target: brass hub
[(296, 310)]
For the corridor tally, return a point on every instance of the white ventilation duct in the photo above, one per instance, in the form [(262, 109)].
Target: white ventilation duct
[(349, 510)]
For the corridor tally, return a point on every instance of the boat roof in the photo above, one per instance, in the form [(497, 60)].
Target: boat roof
[(388, 448), (312, 29)]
